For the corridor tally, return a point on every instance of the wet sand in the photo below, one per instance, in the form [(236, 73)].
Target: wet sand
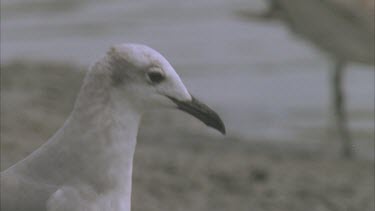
[(182, 165)]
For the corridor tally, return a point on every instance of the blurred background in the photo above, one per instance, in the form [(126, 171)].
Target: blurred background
[(263, 71)]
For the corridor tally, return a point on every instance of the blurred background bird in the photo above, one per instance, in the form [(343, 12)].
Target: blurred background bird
[(344, 29)]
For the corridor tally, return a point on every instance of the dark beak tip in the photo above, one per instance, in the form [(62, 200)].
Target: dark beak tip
[(220, 127), (223, 130), (201, 112), (214, 121)]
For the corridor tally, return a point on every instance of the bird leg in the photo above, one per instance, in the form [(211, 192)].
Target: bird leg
[(339, 109)]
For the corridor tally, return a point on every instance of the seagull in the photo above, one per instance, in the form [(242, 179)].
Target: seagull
[(87, 164), (344, 29)]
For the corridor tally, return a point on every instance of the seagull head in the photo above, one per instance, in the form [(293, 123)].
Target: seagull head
[(149, 82)]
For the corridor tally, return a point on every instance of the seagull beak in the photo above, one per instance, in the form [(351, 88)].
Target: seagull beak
[(201, 112)]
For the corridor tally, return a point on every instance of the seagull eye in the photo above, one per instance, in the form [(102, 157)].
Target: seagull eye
[(155, 77)]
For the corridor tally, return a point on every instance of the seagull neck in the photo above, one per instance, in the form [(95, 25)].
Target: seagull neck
[(108, 129)]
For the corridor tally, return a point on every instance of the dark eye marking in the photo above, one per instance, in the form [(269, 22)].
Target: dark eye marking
[(155, 77)]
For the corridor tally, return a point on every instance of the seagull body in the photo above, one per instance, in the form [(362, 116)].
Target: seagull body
[(87, 164), (344, 29)]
